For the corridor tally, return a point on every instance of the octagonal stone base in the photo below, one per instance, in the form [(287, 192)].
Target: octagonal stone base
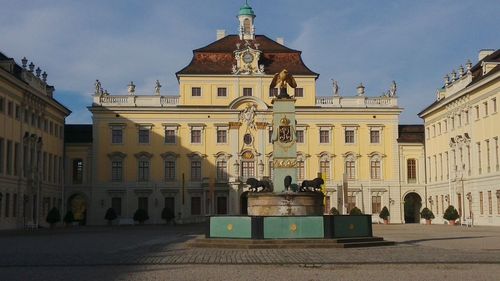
[(285, 204)]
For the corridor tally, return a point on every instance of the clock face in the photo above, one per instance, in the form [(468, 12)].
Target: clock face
[(247, 58)]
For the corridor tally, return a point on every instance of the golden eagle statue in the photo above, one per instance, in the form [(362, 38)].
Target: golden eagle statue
[(281, 80)]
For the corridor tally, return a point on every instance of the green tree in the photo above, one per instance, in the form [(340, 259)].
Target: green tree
[(141, 216), (53, 217), (355, 212)]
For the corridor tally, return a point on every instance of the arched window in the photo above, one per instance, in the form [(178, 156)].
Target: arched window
[(247, 26), (411, 172), (117, 159), (222, 158)]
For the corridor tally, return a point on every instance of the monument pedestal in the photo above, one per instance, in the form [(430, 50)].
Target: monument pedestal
[(285, 204)]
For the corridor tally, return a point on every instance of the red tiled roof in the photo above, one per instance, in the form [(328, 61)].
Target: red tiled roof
[(218, 58)]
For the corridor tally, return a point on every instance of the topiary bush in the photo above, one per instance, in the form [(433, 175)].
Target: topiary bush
[(427, 214), (451, 214), (141, 215), (355, 212), (110, 215), (69, 218), (334, 211), (384, 214), (53, 216), (167, 214)]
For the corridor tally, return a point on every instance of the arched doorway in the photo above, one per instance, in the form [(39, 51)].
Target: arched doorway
[(244, 203), (78, 205), (412, 205)]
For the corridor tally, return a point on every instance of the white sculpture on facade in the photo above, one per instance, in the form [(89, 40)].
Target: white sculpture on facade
[(335, 88), (98, 88), (248, 116), (131, 88), (392, 91), (157, 88)]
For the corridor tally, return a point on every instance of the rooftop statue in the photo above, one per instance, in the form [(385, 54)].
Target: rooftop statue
[(281, 80)]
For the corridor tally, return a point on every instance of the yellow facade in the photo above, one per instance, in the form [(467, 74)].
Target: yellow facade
[(31, 146), (462, 143)]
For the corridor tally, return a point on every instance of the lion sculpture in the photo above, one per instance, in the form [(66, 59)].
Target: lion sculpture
[(255, 184), (312, 185)]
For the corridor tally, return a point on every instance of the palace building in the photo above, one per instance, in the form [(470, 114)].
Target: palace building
[(193, 152), (31, 145), (461, 142)]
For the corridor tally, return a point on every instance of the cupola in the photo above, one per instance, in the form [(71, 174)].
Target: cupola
[(246, 17)]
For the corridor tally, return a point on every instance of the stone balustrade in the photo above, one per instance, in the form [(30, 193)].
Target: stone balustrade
[(356, 101), (133, 100)]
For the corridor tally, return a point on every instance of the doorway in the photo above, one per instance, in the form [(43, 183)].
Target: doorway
[(412, 205)]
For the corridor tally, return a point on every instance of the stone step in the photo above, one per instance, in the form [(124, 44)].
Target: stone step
[(288, 243)]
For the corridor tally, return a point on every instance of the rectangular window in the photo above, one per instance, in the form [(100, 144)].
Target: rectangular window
[(496, 153), (196, 92), (270, 136), (324, 169), (485, 104), (221, 92), (10, 110), (300, 136), (77, 171), (350, 169), (221, 170), (196, 170), (273, 92), (477, 112), (14, 205), (247, 169), (437, 205), (143, 170), (16, 158), (494, 104), (142, 203), (324, 136), (143, 136), (412, 170), (452, 121), (7, 205), (117, 171), (374, 136), (196, 205), (116, 204), (2, 104), (221, 136), (9, 158), (479, 157), (300, 171), (2, 155), (445, 126), (481, 207), (349, 136), (376, 204), (299, 92), (169, 170), (195, 136), (46, 125), (170, 204), (490, 203), (247, 92), (375, 169), (169, 136), (18, 112), (467, 118), (488, 166)]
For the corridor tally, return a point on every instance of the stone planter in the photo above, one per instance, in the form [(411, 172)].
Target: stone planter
[(428, 221)]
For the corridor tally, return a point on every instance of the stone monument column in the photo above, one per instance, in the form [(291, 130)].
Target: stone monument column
[(284, 142)]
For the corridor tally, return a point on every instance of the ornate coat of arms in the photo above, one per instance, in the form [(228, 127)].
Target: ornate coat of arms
[(285, 131)]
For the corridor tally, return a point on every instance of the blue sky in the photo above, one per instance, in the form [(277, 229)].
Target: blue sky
[(413, 42)]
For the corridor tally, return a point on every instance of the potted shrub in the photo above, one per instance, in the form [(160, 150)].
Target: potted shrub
[(141, 216), (355, 212), (451, 215), (384, 214), (167, 214), (110, 215), (334, 211), (53, 217), (427, 214), (69, 218)]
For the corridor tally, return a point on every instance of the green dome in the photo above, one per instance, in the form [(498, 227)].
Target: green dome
[(246, 10)]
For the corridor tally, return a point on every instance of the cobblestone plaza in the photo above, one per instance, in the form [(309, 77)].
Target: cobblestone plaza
[(161, 253)]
